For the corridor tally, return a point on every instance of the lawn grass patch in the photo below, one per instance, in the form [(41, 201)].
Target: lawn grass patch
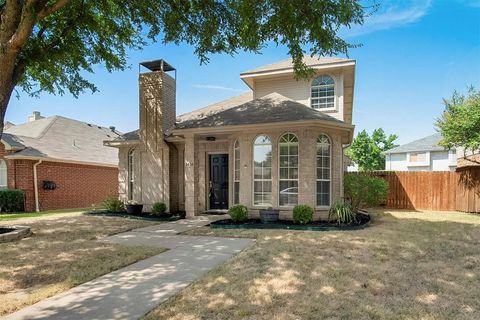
[(408, 265), (21, 215), (61, 254)]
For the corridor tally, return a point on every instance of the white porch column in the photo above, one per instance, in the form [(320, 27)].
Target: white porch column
[(190, 173)]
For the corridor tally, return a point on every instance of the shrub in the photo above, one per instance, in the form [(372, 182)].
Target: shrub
[(11, 200), (159, 208), (238, 213), (302, 214), (342, 213), (365, 191), (112, 204)]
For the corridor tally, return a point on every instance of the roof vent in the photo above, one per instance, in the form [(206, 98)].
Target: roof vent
[(34, 116), (112, 128)]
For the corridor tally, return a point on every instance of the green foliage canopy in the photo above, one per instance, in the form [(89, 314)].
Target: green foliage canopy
[(460, 122), (50, 45), (367, 151)]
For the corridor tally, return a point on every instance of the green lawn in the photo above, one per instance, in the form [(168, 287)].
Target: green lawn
[(406, 265), (21, 215)]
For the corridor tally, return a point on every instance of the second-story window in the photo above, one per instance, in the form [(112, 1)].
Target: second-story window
[(323, 93)]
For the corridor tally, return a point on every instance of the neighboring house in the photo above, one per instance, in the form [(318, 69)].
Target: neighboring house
[(278, 145), (421, 155), (58, 162)]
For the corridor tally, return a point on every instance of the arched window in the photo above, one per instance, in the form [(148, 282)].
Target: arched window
[(323, 170), (236, 172), (131, 174), (3, 174), (288, 170), (323, 93), (262, 171)]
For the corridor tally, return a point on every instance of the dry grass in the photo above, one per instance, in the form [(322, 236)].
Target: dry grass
[(62, 253), (407, 265)]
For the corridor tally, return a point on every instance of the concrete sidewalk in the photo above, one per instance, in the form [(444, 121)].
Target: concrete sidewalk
[(132, 291)]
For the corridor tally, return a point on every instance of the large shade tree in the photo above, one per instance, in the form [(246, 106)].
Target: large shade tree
[(47, 45), (368, 151), (460, 122)]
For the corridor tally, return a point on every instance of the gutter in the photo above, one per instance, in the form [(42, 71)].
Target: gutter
[(35, 185)]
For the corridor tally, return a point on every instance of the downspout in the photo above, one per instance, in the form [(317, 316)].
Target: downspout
[(35, 184), (342, 193)]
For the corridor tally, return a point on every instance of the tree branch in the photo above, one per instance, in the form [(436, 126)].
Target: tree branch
[(48, 10)]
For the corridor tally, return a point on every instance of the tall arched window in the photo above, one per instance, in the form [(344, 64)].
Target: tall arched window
[(3, 174), (323, 170), (288, 170), (262, 171), (131, 174), (236, 172), (323, 93)]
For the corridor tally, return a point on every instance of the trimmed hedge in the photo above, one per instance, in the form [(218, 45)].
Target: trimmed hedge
[(12, 200), (159, 208), (112, 204), (302, 214), (238, 213)]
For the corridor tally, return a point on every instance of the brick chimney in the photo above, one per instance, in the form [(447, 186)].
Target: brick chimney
[(34, 116), (157, 103)]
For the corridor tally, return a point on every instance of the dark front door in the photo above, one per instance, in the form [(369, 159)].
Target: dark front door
[(218, 191)]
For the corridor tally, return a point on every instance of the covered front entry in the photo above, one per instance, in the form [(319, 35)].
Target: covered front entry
[(218, 181)]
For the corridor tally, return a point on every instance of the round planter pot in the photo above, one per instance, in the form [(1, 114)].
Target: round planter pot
[(134, 209), (269, 216)]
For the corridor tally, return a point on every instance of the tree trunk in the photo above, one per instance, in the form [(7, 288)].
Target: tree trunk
[(8, 79)]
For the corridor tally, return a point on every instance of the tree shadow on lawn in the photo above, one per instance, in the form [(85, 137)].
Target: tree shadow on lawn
[(60, 254), (409, 268)]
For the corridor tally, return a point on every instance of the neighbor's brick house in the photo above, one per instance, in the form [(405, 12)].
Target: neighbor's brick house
[(64, 151), (278, 145)]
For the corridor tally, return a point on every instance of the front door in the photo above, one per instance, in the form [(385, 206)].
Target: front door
[(218, 184)]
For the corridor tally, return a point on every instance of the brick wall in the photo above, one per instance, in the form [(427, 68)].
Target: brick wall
[(78, 186)]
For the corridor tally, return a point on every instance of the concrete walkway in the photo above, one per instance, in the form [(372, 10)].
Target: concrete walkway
[(132, 291)]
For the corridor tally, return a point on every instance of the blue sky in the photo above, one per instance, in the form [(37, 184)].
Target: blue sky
[(413, 54)]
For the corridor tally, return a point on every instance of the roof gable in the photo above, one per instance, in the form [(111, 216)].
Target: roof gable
[(429, 143), (269, 109)]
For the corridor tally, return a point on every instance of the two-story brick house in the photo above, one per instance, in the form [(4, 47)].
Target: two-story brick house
[(278, 145)]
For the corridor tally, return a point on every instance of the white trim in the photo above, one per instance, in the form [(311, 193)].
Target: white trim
[(321, 66), (234, 158), (323, 207), (335, 91), (263, 180), (35, 185), (425, 163), (298, 168)]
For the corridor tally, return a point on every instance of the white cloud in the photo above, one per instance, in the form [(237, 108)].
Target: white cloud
[(390, 14), (217, 87)]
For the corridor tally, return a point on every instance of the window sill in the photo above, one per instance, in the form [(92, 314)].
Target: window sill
[(420, 164)]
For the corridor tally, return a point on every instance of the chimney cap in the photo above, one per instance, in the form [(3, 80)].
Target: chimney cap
[(157, 65)]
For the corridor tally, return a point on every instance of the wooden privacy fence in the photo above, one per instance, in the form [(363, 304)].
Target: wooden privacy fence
[(425, 190)]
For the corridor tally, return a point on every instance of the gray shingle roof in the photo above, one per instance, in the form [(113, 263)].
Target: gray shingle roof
[(269, 109), (429, 143), (62, 139), (288, 64)]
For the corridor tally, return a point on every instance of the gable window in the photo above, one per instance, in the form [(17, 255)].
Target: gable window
[(288, 167), (323, 170), (3, 174), (323, 93), (131, 176), (236, 172), (262, 171)]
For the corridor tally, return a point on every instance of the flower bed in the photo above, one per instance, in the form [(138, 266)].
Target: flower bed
[(363, 220)]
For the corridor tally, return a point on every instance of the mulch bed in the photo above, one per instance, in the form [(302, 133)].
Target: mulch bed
[(363, 220), (145, 216)]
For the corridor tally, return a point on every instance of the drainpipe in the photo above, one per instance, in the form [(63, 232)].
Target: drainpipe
[(342, 195), (35, 185)]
